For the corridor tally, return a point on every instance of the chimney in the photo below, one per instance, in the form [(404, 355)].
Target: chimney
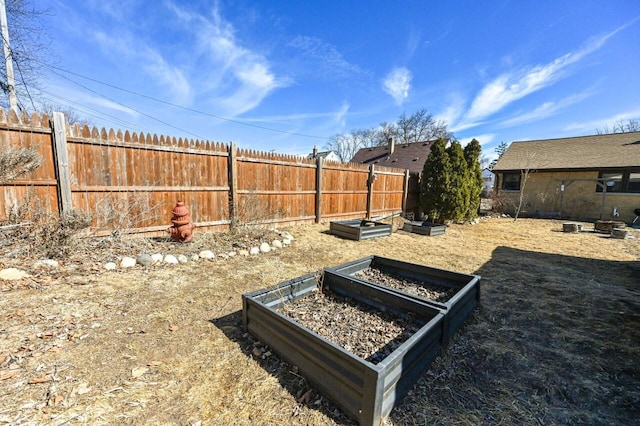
[(315, 151), (392, 146)]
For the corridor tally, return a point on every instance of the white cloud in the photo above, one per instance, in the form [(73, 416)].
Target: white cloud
[(324, 58), (111, 105), (168, 76), (544, 110), (513, 86), (397, 84), (334, 116), (76, 99), (135, 51), (484, 139), (451, 113), (339, 116), (592, 125), (235, 77)]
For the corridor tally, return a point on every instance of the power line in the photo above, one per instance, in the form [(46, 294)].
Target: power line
[(178, 106), (132, 109), (95, 113), (24, 83)]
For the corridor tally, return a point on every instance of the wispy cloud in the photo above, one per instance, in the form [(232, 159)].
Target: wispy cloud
[(110, 105), (75, 97), (397, 84), (134, 50), (452, 112), (484, 139), (545, 110), (335, 116), (339, 117), (592, 125), (324, 58), (238, 78), (510, 87)]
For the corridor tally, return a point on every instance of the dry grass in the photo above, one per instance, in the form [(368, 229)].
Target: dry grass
[(555, 340)]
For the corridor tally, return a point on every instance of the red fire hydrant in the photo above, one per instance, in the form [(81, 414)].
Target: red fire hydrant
[(182, 228)]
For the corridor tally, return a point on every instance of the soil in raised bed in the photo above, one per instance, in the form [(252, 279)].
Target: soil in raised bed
[(365, 331), (413, 287)]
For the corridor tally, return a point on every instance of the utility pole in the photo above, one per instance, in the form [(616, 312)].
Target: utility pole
[(13, 101)]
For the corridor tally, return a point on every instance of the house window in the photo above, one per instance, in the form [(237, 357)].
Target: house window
[(633, 183), (623, 181), (511, 181)]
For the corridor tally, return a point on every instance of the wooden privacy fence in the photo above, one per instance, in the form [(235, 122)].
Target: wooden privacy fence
[(130, 182)]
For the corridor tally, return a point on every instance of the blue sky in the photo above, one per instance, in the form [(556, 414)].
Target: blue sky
[(287, 75)]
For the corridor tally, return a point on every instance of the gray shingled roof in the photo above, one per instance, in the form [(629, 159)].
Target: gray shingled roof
[(405, 156), (583, 152)]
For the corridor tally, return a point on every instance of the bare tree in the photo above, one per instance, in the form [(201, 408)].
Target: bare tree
[(71, 116), (345, 145), (529, 162), (621, 126), (28, 50), (386, 131), (420, 127), (500, 150)]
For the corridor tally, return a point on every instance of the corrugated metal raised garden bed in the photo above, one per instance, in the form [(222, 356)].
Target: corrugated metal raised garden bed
[(424, 228), (454, 293), (367, 380), (359, 229)]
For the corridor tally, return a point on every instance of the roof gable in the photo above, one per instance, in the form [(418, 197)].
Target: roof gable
[(405, 156), (584, 152)]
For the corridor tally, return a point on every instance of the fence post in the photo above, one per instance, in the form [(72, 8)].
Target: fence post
[(233, 184), (318, 189), (370, 190), (405, 190), (61, 162)]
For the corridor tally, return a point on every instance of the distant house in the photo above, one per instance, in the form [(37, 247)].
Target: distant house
[(404, 156), (587, 177), (488, 181), (325, 155), (411, 156)]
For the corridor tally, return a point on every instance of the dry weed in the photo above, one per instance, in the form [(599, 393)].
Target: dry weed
[(16, 162), (554, 340)]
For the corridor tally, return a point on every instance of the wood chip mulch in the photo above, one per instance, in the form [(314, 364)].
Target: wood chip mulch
[(360, 329), (413, 287)]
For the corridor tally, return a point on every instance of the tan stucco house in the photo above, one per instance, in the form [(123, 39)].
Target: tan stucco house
[(586, 177)]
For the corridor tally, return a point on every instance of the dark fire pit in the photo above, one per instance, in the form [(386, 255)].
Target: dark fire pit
[(365, 390)]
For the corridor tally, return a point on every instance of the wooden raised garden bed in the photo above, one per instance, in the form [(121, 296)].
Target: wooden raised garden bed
[(456, 294), (367, 388), (359, 229), (424, 228)]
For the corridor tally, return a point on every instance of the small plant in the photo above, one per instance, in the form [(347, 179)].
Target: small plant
[(252, 216), (122, 215), (46, 233)]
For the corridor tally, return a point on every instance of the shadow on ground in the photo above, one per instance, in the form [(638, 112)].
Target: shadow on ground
[(294, 383)]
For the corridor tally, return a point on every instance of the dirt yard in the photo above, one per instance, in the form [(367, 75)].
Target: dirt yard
[(555, 340)]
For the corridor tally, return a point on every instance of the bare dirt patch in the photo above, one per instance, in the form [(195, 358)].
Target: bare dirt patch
[(554, 341)]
